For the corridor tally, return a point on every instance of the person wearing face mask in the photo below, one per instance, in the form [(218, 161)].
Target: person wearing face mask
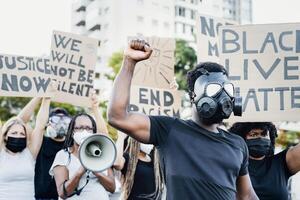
[(18, 153), (72, 180), (199, 160), (53, 141), (269, 172), (45, 188), (141, 175)]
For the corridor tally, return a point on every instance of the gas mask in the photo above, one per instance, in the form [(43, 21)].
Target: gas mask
[(215, 99), (58, 126)]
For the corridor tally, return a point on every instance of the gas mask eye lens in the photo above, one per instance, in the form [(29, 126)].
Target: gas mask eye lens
[(229, 88), (213, 89)]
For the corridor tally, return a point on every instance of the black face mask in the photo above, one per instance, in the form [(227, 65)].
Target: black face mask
[(215, 103), (258, 147), (16, 144)]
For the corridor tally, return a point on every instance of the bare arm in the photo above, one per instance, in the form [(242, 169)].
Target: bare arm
[(293, 159), (108, 181), (28, 110), (101, 124), (244, 189), (61, 174), (134, 124), (120, 160), (38, 131)]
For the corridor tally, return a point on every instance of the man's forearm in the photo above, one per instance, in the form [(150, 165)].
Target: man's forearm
[(121, 91)]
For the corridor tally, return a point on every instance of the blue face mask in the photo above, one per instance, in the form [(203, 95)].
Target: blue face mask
[(258, 147)]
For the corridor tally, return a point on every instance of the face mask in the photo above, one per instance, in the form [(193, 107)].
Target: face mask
[(146, 148), (258, 147), (58, 129), (216, 101), (80, 136), (16, 144)]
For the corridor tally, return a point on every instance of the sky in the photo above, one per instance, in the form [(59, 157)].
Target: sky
[(27, 25)]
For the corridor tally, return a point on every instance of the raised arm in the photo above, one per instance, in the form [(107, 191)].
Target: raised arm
[(293, 159), (244, 189), (40, 124), (28, 110), (136, 125), (120, 160), (101, 124)]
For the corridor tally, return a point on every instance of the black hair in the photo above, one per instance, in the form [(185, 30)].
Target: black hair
[(69, 141), (59, 110), (243, 128), (200, 70)]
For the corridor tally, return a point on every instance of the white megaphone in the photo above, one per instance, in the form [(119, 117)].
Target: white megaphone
[(97, 153)]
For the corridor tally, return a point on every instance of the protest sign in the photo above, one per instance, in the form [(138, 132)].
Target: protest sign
[(158, 70), (207, 28), (73, 60), (24, 76), (150, 90), (155, 101), (263, 62)]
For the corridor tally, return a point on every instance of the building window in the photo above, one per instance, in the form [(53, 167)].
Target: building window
[(140, 19), (100, 11), (97, 91), (180, 11), (193, 15), (96, 27), (154, 22), (81, 23), (140, 2), (166, 25), (97, 75), (81, 9), (192, 29), (183, 28), (106, 10)]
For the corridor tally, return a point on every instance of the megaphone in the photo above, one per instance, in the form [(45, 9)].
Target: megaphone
[(97, 153)]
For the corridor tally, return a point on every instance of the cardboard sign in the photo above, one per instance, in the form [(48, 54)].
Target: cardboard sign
[(207, 28), (155, 101), (158, 70), (73, 59), (263, 62), (24, 76)]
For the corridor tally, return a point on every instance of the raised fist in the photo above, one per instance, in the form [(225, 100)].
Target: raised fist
[(138, 50)]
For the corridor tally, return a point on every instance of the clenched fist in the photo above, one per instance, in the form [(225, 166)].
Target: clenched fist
[(138, 50)]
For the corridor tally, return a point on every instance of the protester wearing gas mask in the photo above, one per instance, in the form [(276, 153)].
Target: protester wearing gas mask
[(73, 181), (269, 173), (45, 188), (18, 153), (139, 164), (199, 160)]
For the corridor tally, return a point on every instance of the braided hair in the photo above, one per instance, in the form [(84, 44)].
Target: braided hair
[(69, 141), (202, 69), (243, 128)]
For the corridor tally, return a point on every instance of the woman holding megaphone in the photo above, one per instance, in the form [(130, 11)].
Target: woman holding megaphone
[(73, 181)]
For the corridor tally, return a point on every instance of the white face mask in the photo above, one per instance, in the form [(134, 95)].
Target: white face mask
[(80, 136), (146, 148)]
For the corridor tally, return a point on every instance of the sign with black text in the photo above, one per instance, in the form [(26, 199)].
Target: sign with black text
[(263, 62)]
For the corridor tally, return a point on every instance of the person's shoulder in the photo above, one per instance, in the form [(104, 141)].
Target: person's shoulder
[(62, 153), (235, 138), (280, 155)]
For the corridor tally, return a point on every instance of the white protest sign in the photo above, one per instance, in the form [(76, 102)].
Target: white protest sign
[(73, 59), (207, 28), (22, 76), (263, 62)]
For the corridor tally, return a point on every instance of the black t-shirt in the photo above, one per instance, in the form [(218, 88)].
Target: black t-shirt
[(269, 177), (198, 164), (45, 186), (144, 180)]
